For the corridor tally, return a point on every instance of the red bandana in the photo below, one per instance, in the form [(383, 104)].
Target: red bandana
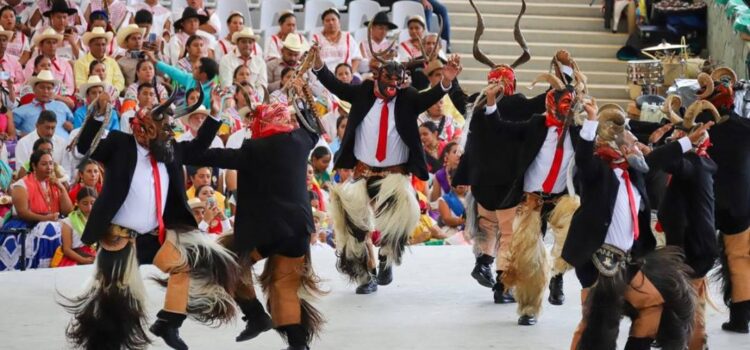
[(507, 73), (722, 98), (701, 150), (270, 120), (612, 157)]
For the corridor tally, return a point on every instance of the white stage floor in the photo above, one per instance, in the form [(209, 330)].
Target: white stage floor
[(433, 303)]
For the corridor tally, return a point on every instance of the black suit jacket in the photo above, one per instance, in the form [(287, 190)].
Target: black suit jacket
[(598, 192), (409, 104), (687, 212), (117, 153), (273, 204), (490, 151)]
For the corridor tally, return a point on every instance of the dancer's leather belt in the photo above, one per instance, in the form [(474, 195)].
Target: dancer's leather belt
[(542, 198), (124, 232), (362, 170)]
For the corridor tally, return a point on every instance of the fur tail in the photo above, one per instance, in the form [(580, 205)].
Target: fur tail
[(396, 216), (605, 307), (721, 274), (665, 268), (472, 224), (214, 275), (110, 315), (352, 221), (559, 221)]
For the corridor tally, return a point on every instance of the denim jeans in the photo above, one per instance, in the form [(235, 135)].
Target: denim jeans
[(442, 12)]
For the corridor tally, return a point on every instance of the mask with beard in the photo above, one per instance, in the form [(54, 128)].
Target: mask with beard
[(162, 149), (391, 76), (616, 145), (157, 136)]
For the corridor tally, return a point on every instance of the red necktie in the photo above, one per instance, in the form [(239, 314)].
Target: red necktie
[(382, 133), (631, 200), (157, 190), (41, 104), (549, 182)]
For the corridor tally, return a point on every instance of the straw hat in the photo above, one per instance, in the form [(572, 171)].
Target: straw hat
[(417, 18), (246, 32), (97, 32), (345, 106), (94, 81), (198, 111), (293, 42), (195, 203), (126, 31), (48, 33), (433, 66), (44, 76)]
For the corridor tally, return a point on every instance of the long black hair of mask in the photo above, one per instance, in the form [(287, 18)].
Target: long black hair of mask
[(162, 149)]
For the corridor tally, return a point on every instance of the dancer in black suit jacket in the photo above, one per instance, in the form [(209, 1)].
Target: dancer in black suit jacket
[(381, 143), (142, 211), (611, 245)]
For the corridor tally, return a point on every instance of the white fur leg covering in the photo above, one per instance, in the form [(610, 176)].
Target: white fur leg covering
[(559, 221), (396, 215), (529, 266), (352, 221)]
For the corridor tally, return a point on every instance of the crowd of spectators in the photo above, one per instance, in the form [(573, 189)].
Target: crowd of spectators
[(57, 59)]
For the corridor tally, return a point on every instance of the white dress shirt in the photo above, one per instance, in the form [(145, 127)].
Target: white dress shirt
[(187, 136), (542, 164), (138, 210), (237, 138), (25, 148), (256, 64), (366, 138)]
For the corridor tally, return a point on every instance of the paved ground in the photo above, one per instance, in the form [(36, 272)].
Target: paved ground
[(432, 304)]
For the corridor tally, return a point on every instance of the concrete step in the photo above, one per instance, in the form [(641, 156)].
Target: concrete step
[(542, 63), (523, 74), (531, 22), (513, 7), (538, 48), (562, 37), (599, 91)]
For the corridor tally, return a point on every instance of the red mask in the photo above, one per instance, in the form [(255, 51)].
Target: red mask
[(560, 102), (722, 98), (506, 75), (270, 120)]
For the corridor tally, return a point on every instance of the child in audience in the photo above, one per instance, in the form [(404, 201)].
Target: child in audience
[(320, 159), (72, 251)]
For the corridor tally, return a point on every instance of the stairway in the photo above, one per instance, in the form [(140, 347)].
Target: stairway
[(548, 25)]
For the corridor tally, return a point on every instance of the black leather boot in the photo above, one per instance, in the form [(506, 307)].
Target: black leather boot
[(739, 317), (167, 327), (482, 272), (500, 295), (256, 319), (385, 273), (527, 320), (556, 295), (369, 287), (296, 335), (297, 347), (638, 343)]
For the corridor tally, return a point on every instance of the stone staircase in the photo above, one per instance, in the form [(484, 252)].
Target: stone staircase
[(548, 25)]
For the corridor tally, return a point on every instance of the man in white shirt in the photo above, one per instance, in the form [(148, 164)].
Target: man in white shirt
[(243, 56), (45, 128)]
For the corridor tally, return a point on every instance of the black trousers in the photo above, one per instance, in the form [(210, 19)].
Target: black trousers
[(146, 247)]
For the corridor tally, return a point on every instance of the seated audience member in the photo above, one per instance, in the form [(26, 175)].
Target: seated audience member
[(412, 48), (200, 177), (225, 45), (427, 228), (27, 95), (25, 117), (97, 40), (44, 144), (312, 186), (144, 74), (45, 128), (441, 11), (9, 63), (146, 100), (336, 46), (447, 129), (344, 73), (213, 25), (130, 39), (452, 209), (7, 128), (320, 159), (185, 27), (45, 44), (380, 27), (280, 95), (455, 96), (117, 11), (243, 56), (62, 17), (18, 44), (72, 251), (198, 208), (6, 202), (101, 19), (343, 175), (433, 146), (192, 123), (450, 158), (322, 237), (203, 73), (213, 215), (99, 69), (158, 19), (330, 120), (89, 94), (194, 48), (89, 175), (341, 123), (291, 51), (287, 26), (39, 199)]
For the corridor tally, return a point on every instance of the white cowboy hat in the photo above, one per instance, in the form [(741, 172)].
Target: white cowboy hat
[(97, 32), (196, 203), (126, 31), (48, 33), (197, 111), (44, 76), (246, 32), (417, 18), (93, 81), (293, 42)]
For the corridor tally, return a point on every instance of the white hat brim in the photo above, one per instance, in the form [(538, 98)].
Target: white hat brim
[(123, 35), (41, 37), (88, 36)]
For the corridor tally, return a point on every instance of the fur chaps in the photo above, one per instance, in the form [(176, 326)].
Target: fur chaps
[(352, 220), (396, 215), (559, 222)]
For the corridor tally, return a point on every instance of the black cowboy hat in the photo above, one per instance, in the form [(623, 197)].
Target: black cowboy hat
[(188, 13), (382, 19), (60, 6)]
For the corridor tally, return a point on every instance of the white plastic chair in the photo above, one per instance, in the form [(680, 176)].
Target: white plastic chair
[(360, 35), (361, 11), (310, 33), (177, 7), (313, 10), (225, 8), (269, 11), (404, 9)]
